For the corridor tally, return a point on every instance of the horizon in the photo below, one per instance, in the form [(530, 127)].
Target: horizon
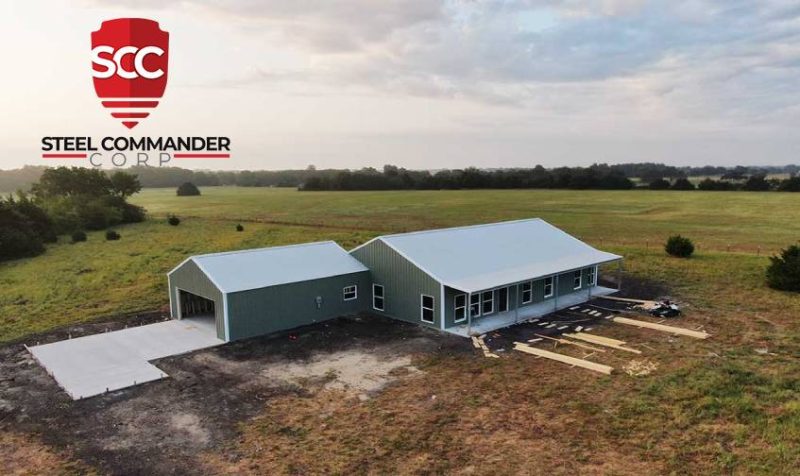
[(428, 85)]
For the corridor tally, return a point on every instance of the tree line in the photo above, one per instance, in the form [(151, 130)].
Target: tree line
[(65, 201), (393, 177)]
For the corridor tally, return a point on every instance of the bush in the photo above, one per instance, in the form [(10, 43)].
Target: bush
[(173, 220), (239, 227), (188, 189), (78, 236), (659, 184), (112, 235), (679, 246), (18, 243), (784, 271), (682, 184)]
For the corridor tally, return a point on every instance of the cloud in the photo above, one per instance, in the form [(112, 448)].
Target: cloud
[(721, 61)]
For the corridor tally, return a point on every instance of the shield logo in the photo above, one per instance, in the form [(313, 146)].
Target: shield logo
[(130, 58)]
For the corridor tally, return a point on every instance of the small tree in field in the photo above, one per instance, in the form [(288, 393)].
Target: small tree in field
[(78, 236), (188, 189), (112, 235), (239, 227), (784, 271), (173, 220), (679, 246)]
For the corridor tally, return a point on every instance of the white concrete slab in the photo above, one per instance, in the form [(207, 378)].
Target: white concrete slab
[(91, 365)]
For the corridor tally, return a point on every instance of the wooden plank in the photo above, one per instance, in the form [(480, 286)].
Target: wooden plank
[(663, 328), (565, 341), (604, 342), (614, 298), (603, 369), (595, 338)]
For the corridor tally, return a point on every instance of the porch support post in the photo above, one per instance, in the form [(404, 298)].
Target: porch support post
[(619, 275), (556, 292), (469, 314), (516, 304)]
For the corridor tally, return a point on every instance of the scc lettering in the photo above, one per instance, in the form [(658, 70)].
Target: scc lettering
[(105, 57)]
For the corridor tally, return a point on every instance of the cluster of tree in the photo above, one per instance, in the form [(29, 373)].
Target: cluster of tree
[(65, 200), (598, 176)]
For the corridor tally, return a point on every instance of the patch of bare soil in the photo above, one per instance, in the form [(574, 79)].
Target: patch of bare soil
[(162, 427)]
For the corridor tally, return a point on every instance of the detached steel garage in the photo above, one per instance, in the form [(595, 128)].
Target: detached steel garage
[(254, 292)]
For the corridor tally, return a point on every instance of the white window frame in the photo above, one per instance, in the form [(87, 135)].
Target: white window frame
[(529, 291), (382, 297), (478, 304), (550, 294), (490, 301), (577, 276), (422, 308), (345, 292), (508, 294), (456, 307), (592, 276)]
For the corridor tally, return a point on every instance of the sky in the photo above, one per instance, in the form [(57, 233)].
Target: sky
[(427, 84)]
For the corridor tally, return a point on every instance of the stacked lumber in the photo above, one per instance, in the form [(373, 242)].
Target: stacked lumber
[(478, 343), (663, 328), (604, 341), (574, 361)]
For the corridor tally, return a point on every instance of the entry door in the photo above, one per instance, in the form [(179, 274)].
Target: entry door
[(502, 300)]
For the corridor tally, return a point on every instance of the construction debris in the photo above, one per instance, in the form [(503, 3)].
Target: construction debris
[(638, 368), (604, 341), (603, 369), (663, 328)]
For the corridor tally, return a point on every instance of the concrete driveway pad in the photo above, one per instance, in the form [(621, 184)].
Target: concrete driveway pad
[(91, 365)]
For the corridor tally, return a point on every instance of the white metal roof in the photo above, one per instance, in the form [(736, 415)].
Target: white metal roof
[(473, 258), (260, 268)]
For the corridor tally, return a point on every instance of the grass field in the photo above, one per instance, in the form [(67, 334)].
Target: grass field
[(722, 407)]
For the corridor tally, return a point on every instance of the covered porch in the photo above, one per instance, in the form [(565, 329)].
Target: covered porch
[(496, 321)]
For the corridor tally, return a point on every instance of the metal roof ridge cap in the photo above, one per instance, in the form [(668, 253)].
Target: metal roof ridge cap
[(253, 250), (463, 227)]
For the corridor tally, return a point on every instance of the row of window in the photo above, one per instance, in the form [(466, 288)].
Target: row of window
[(480, 304)]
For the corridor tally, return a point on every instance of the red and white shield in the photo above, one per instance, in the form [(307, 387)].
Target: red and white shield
[(130, 57)]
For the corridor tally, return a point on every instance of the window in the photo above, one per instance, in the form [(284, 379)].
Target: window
[(377, 297), (502, 300), (427, 308), (350, 292), (475, 304), (576, 280), (527, 292), (487, 302), (459, 307), (592, 275), (548, 287)]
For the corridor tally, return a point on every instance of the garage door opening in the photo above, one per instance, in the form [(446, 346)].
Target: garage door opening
[(192, 305), (197, 310)]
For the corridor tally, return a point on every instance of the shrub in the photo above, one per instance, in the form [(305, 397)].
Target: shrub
[(188, 189), (659, 184), (173, 220), (18, 243), (239, 227), (682, 184), (679, 246), (112, 235), (784, 271), (78, 236)]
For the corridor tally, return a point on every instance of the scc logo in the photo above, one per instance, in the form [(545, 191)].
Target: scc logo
[(130, 58)]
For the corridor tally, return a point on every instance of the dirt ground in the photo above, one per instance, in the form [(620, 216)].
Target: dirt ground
[(357, 395), (158, 428)]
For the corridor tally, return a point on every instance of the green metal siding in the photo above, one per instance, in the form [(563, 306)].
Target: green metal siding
[(403, 283), (190, 278), (276, 308)]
